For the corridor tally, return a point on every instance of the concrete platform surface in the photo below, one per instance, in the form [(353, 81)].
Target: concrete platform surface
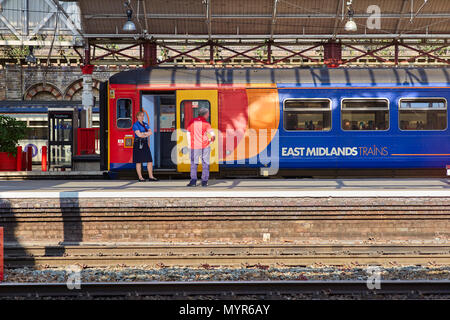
[(236, 188)]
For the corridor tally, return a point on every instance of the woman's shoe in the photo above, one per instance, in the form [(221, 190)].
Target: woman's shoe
[(153, 179), (141, 180)]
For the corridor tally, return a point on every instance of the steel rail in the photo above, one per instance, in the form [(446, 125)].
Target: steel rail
[(266, 288), (12, 250), (273, 260), (227, 255)]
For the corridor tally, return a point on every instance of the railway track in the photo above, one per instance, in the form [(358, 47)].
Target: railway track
[(251, 207), (227, 255), (225, 288)]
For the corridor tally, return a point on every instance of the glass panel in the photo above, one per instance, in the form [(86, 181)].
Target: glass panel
[(364, 104), (62, 130), (307, 104), (167, 118), (423, 104), (365, 120), (423, 119), (304, 114), (124, 108), (61, 156), (37, 133), (365, 114), (423, 114), (37, 123), (190, 108), (307, 120)]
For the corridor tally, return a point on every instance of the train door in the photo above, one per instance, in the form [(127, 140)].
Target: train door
[(122, 117), (188, 104), (159, 112)]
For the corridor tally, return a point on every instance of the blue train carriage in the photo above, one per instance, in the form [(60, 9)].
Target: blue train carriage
[(366, 118)]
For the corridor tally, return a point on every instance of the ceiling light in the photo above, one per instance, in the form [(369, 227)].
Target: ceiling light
[(350, 25), (129, 25)]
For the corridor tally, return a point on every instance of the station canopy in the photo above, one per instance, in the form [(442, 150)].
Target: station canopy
[(266, 19)]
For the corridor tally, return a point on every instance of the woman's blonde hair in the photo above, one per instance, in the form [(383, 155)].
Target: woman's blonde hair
[(139, 113)]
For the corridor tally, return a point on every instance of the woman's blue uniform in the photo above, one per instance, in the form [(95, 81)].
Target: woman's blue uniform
[(141, 150)]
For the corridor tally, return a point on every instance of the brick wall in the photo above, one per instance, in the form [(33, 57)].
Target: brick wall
[(16, 80), (224, 220)]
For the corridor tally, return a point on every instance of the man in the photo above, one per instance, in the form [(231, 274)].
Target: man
[(198, 130)]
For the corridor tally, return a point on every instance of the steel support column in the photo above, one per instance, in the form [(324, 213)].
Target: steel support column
[(396, 53), (211, 53), (150, 58), (269, 52), (87, 95)]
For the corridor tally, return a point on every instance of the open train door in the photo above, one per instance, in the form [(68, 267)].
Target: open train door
[(188, 104)]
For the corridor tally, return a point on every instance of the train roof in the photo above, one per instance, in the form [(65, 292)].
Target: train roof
[(308, 77), (20, 106)]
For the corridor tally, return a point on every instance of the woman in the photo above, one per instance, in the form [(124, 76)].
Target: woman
[(141, 150)]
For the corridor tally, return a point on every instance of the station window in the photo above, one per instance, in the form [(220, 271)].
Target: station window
[(365, 114), (307, 114), (124, 119), (423, 114), (190, 108)]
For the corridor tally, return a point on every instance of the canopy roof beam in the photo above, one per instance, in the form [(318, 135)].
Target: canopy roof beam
[(274, 18), (275, 36), (169, 16)]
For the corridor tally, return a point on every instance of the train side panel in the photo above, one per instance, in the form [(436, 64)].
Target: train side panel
[(338, 148), (253, 119)]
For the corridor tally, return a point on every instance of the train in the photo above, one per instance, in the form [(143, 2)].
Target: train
[(275, 119), (35, 115)]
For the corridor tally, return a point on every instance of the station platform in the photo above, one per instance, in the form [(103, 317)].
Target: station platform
[(49, 212), (233, 188), (36, 174)]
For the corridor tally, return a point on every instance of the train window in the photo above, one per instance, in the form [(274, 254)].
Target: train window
[(423, 114), (37, 133), (189, 110), (365, 114), (36, 123), (124, 119), (307, 114)]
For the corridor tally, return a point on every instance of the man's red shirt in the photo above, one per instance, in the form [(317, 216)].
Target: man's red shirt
[(198, 127)]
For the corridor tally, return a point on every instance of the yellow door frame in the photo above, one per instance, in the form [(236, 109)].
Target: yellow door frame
[(183, 151)]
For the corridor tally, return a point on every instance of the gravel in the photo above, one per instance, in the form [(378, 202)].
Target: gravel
[(211, 273)]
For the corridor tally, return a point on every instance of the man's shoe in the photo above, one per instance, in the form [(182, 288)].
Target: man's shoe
[(204, 183), (192, 183)]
